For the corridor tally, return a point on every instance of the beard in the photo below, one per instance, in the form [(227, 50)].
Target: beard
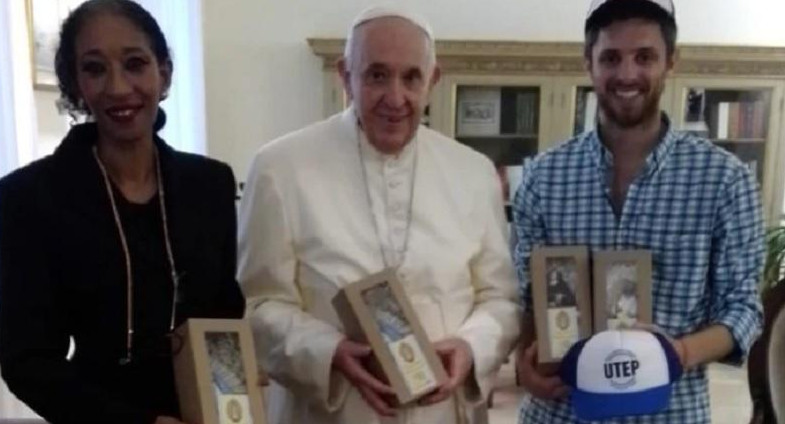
[(630, 116)]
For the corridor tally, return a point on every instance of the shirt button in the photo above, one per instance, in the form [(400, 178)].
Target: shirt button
[(393, 184)]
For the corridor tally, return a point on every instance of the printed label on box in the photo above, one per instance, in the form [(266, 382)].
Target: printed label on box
[(563, 330), (410, 360), (234, 409)]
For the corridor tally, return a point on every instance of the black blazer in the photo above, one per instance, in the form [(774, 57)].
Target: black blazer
[(62, 274)]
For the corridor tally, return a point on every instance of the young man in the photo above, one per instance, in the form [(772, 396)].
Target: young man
[(365, 190), (636, 183)]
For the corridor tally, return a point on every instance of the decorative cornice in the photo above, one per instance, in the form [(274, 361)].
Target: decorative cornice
[(566, 58)]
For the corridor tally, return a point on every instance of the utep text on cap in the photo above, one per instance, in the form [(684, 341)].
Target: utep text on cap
[(620, 373), (666, 5)]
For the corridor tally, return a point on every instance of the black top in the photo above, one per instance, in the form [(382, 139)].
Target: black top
[(62, 273)]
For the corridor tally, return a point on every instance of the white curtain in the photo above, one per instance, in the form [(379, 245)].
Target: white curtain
[(17, 127), (181, 22), (17, 107)]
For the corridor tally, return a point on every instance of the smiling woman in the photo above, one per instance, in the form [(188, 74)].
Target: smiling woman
[(111, 225)]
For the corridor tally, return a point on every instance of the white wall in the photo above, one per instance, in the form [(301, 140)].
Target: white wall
[(262, 81), (52, 126)]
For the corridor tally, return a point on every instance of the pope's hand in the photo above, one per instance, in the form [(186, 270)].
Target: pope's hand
[(348, 359)]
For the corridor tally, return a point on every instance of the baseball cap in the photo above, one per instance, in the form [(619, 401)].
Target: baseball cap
[(665, 5), (619, 373)]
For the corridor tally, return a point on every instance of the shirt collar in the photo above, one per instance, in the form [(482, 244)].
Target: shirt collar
[(603, 157)]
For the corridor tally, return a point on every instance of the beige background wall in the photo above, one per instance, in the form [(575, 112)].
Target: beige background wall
[(262, 80)]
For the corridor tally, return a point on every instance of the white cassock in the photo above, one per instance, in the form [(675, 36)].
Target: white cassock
[(309, 225)]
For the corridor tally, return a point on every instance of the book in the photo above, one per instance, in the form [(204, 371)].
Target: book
[(590, 112), (723, 118)]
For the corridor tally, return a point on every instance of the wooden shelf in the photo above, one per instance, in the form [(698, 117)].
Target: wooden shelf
[(499, 136), (555, 73)]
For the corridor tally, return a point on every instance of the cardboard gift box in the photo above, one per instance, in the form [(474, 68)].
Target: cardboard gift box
[(561, 291), (216, 375), (376, 311), (622, 289)]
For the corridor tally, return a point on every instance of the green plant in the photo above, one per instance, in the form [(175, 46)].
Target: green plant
[(775, 257)]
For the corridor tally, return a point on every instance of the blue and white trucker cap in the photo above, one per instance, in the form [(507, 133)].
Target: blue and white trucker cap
[(620, 373)]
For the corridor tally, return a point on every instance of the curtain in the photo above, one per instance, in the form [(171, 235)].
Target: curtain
[(17, 127), (181, 22)]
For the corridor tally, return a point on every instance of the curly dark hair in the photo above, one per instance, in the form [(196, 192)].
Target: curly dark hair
[(65, 57)]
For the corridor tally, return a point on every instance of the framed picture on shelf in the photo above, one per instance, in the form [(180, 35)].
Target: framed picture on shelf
[(44, 18), (562, 299), (479, 111), (622, 289)]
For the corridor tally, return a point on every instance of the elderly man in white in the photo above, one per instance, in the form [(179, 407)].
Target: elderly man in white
[(366, 190)]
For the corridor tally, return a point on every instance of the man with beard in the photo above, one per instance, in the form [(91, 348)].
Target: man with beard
[(635, 183)]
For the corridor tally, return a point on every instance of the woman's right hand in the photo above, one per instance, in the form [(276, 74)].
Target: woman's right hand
[(161, 419)]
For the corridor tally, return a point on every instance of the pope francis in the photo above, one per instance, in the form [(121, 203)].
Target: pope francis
[(366, 190)]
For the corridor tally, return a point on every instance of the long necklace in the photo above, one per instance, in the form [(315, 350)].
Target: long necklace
[(124, 242), (370, 204)]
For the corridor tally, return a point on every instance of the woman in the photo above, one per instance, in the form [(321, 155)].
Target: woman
[(113, 240)]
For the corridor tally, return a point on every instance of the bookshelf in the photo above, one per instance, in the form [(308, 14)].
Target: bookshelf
[(511, 100), (519, 130)]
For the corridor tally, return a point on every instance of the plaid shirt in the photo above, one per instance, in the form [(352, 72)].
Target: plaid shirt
[(695, 206)]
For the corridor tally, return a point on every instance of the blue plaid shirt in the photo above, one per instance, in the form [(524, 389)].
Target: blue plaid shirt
[(695, 206)]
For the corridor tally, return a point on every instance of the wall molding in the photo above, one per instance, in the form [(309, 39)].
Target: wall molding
[(476, 57)]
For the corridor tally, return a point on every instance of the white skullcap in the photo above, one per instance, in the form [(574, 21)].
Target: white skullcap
[(376, 12), (392, 11)]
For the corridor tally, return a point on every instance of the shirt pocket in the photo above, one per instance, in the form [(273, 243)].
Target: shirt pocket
[(680, 269), (681, 257)]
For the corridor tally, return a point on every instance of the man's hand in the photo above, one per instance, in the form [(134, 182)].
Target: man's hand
[(348, 359), (458, 360), (167, 420), (539, 385), (678, 344)]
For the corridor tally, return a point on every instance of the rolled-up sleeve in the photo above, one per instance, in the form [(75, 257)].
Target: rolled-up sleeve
[(738, 255)]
